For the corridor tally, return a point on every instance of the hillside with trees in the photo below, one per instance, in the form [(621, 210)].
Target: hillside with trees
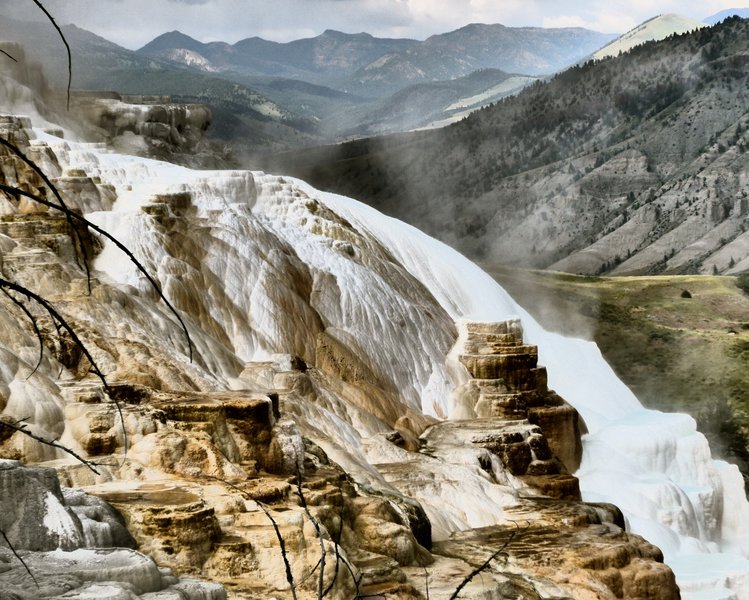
[(634, 164)]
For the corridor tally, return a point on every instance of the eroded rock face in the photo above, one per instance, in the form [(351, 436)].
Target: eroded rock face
[(151, 125), (66, 537), (508, 384), (588, 557)]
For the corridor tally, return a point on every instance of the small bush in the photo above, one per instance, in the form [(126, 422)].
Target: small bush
[(686, 294), (742, 282)]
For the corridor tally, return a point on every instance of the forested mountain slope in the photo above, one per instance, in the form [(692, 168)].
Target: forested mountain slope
[(634, 164)]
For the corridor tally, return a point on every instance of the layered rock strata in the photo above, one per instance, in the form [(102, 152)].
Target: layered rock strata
[(60, 542), (151, 125), (537, 433)]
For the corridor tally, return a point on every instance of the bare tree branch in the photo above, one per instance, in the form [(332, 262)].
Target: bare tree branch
[(80, 246), (18, 556), (488, 561), (75, 216), (339, 559), (22, 427), (64, 41), (316, 525), (281, 542), (8, 55), (59, 319), (31, 318)]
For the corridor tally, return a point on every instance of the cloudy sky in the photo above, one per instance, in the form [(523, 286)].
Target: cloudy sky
[(132, 23)]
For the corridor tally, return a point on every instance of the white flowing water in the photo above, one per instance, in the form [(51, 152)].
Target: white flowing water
[(655, 466)]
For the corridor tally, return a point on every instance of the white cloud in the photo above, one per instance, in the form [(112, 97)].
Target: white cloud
[(564, 21)]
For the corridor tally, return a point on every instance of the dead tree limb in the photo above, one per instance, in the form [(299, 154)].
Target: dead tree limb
[(279, 537), (64, 41), (488, 561), (22, 427), (34, 324), (60, 320), (18, 556), (8, 55), (316, 525), (14, 191), (79, 245)]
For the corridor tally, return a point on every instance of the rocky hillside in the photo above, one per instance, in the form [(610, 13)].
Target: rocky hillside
[(365, 65), (324, 59), (634, 164), (654, 29), (527, 50)]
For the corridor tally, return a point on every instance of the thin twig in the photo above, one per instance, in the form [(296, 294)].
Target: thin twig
[(281, 542), (340, 559), (64, 41), (488, 561), (38, 333), (61, 322), (80, 246), (316, 525), (18, 556), (8, 55), (73, 215), (23, 428), (58, 318), (310, 574)]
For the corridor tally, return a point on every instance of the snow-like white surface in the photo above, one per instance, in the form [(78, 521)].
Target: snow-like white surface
[(654, 29), (653, 465), (281, 263), (509, 86), (57, 520), (192, 59)]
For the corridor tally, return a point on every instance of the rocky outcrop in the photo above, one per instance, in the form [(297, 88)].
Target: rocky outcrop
[(149, 125), (291, 448), (230, 473), (74, 544), (534, 431), (589, 557)]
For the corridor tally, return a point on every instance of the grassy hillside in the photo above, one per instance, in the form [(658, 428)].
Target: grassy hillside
[(679, 342)]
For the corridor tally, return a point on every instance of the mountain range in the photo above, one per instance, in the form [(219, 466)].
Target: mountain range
[(369, 66), (633, 164), (724, 14), (268, 96)]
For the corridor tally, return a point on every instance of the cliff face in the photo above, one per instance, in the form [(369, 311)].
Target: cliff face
[(149, 125), (312, 408)]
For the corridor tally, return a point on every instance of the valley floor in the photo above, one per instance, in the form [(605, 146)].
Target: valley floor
[(679, 342)]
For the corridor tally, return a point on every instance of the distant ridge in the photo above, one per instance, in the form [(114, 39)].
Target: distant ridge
[(320, 59), (378, 67), (172, 40), (724, 14)]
